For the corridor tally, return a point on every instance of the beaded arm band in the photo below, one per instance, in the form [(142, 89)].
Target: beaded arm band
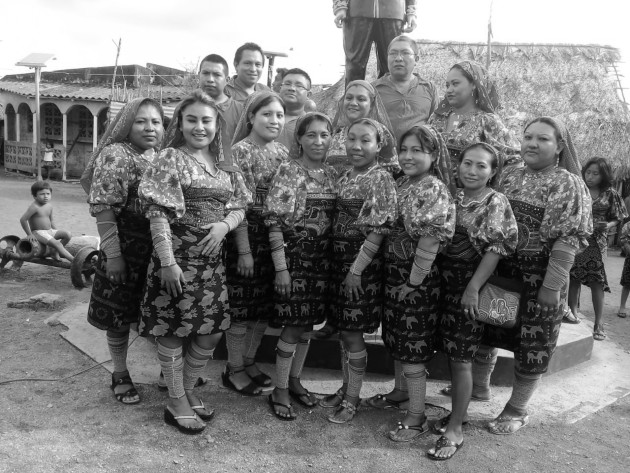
[(559, 266), (421, 267), (163, 243), (364, 258), (276, 243), (110, 243)]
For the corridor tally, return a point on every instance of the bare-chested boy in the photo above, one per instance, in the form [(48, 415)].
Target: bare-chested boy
[(38, 221)]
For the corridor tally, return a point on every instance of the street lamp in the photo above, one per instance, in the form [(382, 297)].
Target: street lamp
[(37, 61), (271, 55)]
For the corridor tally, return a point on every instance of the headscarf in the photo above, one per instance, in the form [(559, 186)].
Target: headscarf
[(377, 111), (568, 158), (442, 165), (296, 151), (174, 138), (244, 126), (117, 132), (487, 96)]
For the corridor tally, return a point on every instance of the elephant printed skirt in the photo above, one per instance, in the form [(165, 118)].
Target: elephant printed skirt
[(251, 298), (533, 339), (410, 325), (114, 305), (202, 308)]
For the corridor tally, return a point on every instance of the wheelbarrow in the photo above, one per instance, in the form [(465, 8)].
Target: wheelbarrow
[(15, 251)]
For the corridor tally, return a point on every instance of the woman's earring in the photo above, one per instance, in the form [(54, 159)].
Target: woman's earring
[(249, 126)]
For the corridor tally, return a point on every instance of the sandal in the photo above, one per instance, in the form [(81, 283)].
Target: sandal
[(441, 443), (419, 430), (441, 424), (172, 419), (209, 412), (599, 333), (131, 392), (380, 401), (570, 318), (501, 425), (345, 413), (332, 400), (252, 389), (324, 333), (288, 407), (305, 398), (261, 379), (622, 314)]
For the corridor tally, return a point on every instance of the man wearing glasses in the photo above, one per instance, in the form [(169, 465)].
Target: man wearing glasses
[(408, 98), (294, 90), (368, 21)]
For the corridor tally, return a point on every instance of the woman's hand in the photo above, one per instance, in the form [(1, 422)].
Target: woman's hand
[(213, 239), (245, 265), (282, 284), (352, 287), (470, 302), (172, 280), (403, 291), (116, 270), (548, 302)]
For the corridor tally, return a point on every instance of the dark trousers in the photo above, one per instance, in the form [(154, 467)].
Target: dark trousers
[(358, 35)]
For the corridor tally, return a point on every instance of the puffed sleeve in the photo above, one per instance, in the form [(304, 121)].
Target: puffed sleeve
[(162, 186), (388, 156), (241, 155), (568, 212), (242, 196), (283, 198), (379, 210), (431, 211), (110, 182), (495, 133), (494, 228), (617, 209)]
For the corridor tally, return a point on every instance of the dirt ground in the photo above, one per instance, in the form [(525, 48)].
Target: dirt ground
[(76, 425)]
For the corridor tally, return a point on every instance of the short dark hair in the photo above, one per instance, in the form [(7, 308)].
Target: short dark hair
[(604, 171), (273, 97), (238, 55), (300, 72), (215, 58), (40, 186)]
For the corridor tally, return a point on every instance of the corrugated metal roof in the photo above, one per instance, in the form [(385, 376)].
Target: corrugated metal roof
[(82, 92)]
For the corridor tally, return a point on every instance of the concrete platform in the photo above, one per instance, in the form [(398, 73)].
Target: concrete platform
[(570, 392)]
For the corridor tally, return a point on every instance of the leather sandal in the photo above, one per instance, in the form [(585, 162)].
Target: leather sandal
[(441, 424), (345, 413), (172, 419), (252, 389), (441, 443), (131, 392), (496, 426), (419, 430), (380, 401), (261, 379), (273, 404), (332, 400)]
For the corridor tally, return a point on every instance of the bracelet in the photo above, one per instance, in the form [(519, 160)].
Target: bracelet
[(242, 253), (412, 286)]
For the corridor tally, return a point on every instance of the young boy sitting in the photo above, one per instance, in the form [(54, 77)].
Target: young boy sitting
[(38, 221)]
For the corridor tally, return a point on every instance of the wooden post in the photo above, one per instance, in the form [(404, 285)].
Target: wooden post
[(94, 131), (115, 68), (489, 57), (36, 123), (64, 142)]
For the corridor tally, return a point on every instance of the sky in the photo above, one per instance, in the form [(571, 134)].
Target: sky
[(178, 34)]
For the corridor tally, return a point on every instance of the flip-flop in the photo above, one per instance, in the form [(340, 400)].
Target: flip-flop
[(419, 430), (622, 314), (448, 391), (494, 426), (380, 401), (288, 407), (441, 443), (302, 398), (570, 318), (599, 334), (201, 407)]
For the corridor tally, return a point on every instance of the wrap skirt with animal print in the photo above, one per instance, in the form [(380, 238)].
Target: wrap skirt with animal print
[(410, 325), (534, 337)]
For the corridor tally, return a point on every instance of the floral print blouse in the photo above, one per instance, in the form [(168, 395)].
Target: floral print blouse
[(292, 184), (480, 126), (490, 223), (387, 157), (426, 208), (117, 169), (567, 204), (258, 164), (175, 171), (377, 189)]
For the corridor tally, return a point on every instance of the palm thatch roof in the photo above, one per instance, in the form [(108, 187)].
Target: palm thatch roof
[(577, 83)]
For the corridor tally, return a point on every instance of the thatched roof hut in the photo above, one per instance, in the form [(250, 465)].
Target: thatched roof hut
[(577, 83)]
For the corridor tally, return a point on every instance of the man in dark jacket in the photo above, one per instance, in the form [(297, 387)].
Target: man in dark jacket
[(368, 21)]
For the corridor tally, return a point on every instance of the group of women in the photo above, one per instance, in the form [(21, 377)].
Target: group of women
[(196, 243)]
